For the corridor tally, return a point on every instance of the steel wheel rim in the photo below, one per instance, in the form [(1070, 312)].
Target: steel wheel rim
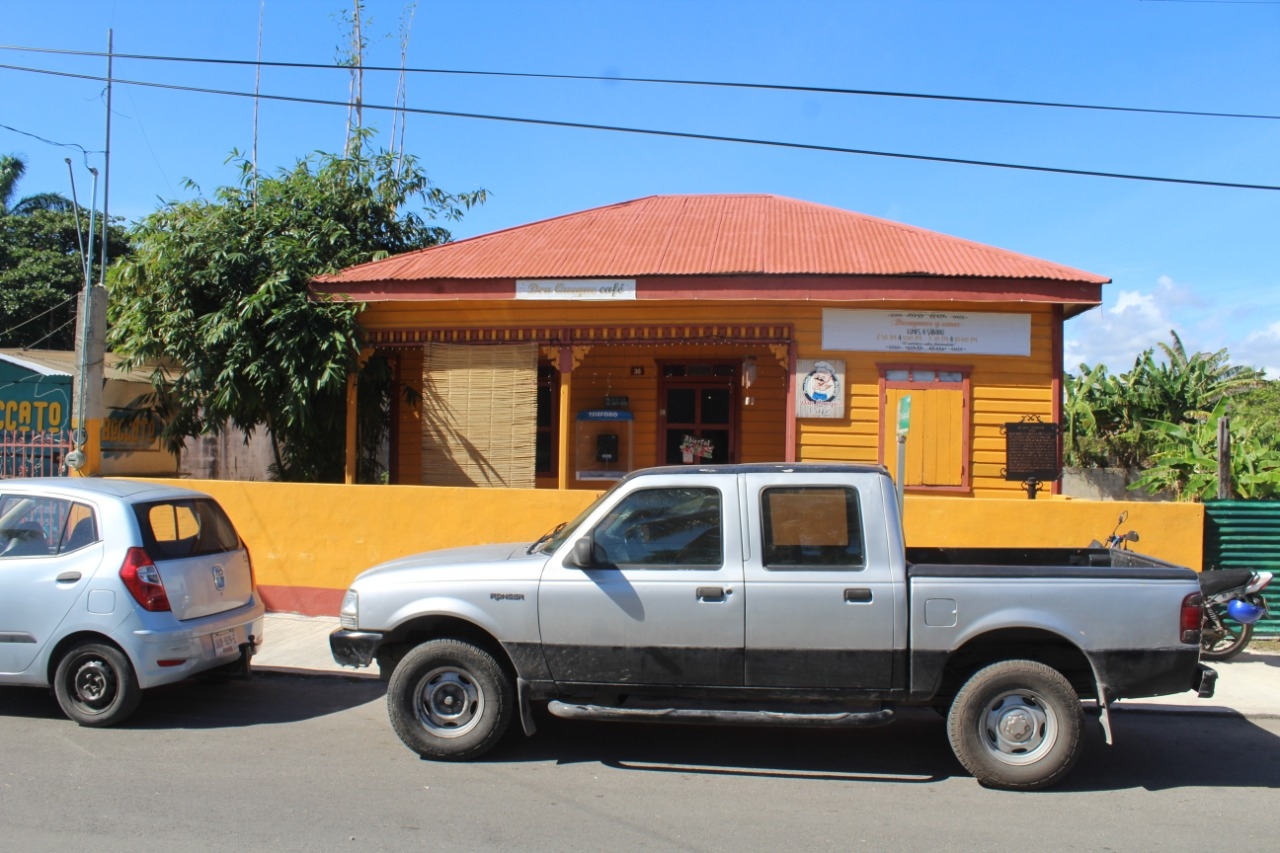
[(1018, 727), (448, 702), (1230, 637), (93, 684)]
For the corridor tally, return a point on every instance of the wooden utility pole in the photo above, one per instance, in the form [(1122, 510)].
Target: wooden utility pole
[(1224, 458)]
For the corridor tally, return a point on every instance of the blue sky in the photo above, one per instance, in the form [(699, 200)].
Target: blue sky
[(1202, 260)]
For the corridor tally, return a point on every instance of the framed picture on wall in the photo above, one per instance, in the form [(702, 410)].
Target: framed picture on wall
[(820, 388)]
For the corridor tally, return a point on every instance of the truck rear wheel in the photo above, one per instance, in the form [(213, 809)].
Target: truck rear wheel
[(449, 700), (1016, 725)]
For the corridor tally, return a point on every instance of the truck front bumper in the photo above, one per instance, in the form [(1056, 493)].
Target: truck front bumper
[(1204, 680), (354, 648)]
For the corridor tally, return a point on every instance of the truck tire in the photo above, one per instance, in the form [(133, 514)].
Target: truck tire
[(1016, 725), (449, 700)]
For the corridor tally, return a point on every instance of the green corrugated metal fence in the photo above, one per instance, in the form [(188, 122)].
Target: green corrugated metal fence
[(1246, 535)]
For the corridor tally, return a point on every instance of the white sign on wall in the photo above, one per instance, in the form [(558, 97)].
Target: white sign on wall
[(820, 388), (926, 332), (578, 289)]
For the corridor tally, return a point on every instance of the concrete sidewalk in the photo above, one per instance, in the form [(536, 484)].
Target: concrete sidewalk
[(1248, 685)]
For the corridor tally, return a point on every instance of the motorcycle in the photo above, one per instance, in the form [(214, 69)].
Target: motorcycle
[(1233, 601)]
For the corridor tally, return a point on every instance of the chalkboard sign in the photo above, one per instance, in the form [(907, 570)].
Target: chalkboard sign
[(1031, 451)]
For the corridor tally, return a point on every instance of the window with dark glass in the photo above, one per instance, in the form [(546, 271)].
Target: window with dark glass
[(662, 527)]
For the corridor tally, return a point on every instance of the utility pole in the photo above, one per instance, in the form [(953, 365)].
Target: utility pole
[(88, 412)]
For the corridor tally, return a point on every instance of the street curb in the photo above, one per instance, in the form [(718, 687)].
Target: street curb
[(268, 669), (1190, 711)]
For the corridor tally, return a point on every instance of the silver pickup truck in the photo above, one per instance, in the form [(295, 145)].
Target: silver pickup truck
[(778, 595)]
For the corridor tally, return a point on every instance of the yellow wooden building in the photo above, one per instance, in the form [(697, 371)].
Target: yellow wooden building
[(714, 328)]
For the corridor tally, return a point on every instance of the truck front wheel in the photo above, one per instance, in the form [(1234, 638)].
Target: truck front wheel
[(449, 700), (1016, 725)]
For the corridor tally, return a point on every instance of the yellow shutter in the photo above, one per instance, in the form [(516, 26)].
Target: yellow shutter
[(935, 443)]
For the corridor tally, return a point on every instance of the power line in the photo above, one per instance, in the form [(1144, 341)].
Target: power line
[(50, 334), (84, 151), (13, 329), (777, 87), (674, 134)]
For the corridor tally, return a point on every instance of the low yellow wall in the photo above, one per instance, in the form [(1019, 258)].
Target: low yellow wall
[(1169, 531), (309, 541)]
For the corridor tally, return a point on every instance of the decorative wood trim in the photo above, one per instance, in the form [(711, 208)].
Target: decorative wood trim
[(651, 335)]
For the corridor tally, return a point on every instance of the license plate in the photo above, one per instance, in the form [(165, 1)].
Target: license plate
[(224, 643)]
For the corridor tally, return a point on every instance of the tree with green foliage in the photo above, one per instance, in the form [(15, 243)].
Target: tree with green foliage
[(1162, 417), (42, 264), (220, 289), (1187, 463), (1111, 417)]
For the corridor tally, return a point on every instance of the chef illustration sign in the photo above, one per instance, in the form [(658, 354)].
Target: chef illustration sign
[(820, 383)]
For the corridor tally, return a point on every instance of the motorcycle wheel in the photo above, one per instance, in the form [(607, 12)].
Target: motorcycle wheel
[(1227, 645)]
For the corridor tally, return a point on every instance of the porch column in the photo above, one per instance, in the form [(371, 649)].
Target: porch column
[(565, 368), (349, 467), (791, 402), (353, 409)]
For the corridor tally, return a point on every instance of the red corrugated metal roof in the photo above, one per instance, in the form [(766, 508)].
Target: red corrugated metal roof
[(677, 235)]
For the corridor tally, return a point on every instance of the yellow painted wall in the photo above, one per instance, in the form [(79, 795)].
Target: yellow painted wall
[(322, 536), (1004, 388), (1170, 531)]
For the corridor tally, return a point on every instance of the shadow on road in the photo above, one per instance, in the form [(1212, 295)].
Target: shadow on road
[(1152, 751), (267, 698), (1160, 751), (913, 750)]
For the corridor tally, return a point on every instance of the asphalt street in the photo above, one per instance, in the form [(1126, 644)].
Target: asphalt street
[(291, 763)]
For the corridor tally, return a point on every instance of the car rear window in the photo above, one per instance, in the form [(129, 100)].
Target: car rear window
[(172, 530)]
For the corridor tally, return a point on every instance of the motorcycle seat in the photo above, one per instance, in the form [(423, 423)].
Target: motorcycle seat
[(1220, 580)]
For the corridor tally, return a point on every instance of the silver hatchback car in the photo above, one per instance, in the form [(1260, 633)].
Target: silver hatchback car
[(108, 587)]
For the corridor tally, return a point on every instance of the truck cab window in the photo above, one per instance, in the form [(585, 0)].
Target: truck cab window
[(811, 526), (663, 527)]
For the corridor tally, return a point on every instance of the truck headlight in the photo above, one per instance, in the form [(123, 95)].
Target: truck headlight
[(349, 612)]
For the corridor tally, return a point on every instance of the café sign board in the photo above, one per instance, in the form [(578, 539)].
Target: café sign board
[(577, 289)]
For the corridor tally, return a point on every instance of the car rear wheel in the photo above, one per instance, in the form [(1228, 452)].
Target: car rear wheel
[(1016, 725), (96, 686), (450, 700)]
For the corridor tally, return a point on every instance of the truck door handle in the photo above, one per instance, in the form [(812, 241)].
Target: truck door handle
[(857, 595), (68, 577), (710, 593)]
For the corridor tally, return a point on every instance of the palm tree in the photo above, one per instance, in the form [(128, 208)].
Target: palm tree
[(11, 171)]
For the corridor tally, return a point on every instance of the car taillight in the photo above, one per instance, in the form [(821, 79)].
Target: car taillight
[(143, 581), (1192, 617)]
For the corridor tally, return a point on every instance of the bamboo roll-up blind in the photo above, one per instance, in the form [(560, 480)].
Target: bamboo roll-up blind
[(479, 407)]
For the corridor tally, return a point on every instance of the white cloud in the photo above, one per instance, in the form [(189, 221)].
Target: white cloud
[(1262, 349), (1130, 321), (1115, 336)]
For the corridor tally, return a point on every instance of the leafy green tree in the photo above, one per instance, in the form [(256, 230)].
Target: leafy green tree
[(41, 263), (220, 289), (1112, 420), (1187, 464)]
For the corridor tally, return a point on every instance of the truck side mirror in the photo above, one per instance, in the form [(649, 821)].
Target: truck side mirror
[(583, 553)]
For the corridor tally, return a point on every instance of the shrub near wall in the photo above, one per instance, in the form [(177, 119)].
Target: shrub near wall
[(308, 541)]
